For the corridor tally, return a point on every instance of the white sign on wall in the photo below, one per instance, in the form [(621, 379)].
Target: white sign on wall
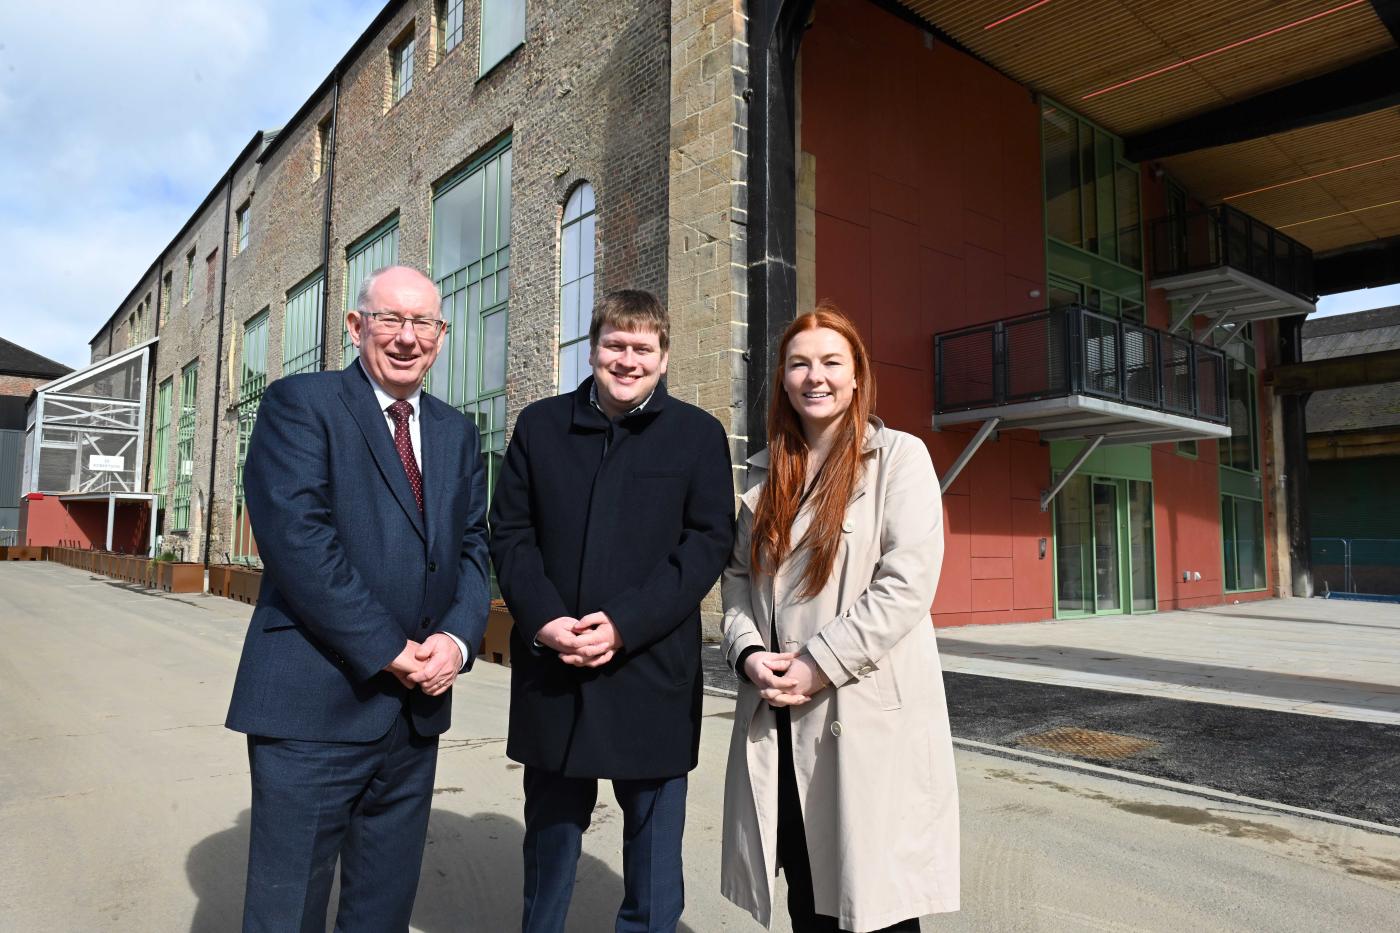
[(101, 464)]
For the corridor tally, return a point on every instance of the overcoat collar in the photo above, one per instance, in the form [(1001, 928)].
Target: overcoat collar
[(876, 436), (588, 418), (358, 396)]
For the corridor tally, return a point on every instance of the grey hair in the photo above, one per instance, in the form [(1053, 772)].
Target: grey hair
[(362, 297)]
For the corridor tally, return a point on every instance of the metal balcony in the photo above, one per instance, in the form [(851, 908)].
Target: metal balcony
[(1070, 373), (1227, 266)]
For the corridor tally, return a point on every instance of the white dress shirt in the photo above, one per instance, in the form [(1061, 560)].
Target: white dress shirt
[(416, 434)]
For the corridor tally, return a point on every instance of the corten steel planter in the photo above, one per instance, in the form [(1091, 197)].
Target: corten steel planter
[(21, 552), (243, 584), (219, 579), (495, 644), (175, 577)]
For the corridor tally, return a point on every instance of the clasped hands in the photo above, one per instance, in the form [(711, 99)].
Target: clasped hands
[(591, 641), (786, 678), (431, 666)]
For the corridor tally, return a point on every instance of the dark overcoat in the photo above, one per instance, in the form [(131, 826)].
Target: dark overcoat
[(634, 518), (352, 570)]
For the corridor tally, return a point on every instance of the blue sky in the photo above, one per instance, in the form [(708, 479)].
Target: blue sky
[(116, 120)]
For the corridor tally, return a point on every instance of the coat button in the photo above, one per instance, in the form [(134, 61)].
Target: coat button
[(848, 526), (426, 623), (866, 670), (432, 566), (836, 729)]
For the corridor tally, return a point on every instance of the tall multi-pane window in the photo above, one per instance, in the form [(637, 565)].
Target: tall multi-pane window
[(184, 448), (449, 24), (401, 68), (252, 381), (323, 146), (161, 444), (189, 277), (374, 251), (167, 285), (1093, 216), (301, 332), (471, 266), (576, 248), (1241, 500), (241, 219), (502, 30)]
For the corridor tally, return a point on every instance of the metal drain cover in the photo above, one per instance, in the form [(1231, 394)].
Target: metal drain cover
[(1087, 743)]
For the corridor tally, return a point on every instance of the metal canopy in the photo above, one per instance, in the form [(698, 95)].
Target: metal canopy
[(1226, 291), (1081, 417)]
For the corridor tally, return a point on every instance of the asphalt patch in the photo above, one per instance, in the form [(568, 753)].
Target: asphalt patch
[(1337, 766)]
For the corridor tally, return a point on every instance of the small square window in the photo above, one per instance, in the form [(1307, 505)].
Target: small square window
[(401, 68)]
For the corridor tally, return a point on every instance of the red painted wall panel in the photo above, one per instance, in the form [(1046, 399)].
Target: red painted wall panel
[(48, 521), (928, 219)]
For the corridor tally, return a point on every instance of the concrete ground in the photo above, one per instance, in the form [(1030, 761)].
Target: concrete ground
[(1321, 657), (123, 805)]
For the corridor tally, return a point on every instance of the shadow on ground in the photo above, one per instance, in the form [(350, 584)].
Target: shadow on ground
[(471, 879)]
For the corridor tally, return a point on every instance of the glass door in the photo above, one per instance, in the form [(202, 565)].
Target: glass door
[(1108, 574), (1104, 561)]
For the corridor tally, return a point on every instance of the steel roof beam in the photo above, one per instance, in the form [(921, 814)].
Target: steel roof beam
[(1351, 91)]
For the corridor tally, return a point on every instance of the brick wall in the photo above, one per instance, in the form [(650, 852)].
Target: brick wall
[(20, 385)]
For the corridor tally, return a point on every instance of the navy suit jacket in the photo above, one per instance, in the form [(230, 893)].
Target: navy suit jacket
[(351, 568)]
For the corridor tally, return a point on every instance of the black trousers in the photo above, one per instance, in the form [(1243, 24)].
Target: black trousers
[(792, 847)]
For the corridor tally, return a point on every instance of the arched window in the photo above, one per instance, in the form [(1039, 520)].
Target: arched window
[(576, 247)]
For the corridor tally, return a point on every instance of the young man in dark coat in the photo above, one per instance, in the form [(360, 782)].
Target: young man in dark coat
[(612, 518)]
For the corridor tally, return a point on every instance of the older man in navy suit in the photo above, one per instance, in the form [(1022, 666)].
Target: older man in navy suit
[(368, 500)]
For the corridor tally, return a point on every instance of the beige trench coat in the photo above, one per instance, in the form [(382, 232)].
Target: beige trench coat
[(872, 753)]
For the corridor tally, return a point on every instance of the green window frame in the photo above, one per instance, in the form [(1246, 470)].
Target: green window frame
[(301, 330), (1243, 545), (401, 68), (184, 447), (252, 382), (1093, 214), (189, 276), (242, 218), (502, 31), (471, 266), (449, 25), (164, 396), (577, 246), (167, 286), (374, 251)]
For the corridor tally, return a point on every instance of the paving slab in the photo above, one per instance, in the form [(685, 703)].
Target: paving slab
[(124, 806), (1318, 657)]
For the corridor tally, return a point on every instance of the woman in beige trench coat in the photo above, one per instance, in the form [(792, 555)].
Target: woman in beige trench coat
[(841, 756)]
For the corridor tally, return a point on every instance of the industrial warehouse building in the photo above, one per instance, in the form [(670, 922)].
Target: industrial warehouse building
[(1077, 260)]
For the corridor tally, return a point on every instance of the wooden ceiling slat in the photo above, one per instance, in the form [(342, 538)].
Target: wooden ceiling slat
[(1070, 48)]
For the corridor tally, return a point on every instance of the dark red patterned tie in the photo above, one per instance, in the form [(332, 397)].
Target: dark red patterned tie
[(403, 441)]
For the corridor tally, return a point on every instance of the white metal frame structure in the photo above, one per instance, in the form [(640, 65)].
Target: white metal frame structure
[(99, 430)]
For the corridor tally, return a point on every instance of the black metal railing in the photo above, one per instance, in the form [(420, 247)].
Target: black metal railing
[(1224, 236), (1073, 350)]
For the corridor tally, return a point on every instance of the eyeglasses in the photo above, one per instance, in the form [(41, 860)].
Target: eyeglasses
[(422, 326)]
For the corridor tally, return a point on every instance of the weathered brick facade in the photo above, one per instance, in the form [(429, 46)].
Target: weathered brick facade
[(584, 98)]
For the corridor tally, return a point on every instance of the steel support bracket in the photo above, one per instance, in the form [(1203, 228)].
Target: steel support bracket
[(1190, 313), (1049, 495), (977, 441)]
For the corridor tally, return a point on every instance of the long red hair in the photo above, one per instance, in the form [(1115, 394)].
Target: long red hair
[(779, 502)]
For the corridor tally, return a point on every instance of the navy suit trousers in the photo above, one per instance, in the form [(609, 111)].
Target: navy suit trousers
[(557, 812), (365, 803)]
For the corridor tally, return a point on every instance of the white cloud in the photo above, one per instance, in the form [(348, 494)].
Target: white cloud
[(116, 120)]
